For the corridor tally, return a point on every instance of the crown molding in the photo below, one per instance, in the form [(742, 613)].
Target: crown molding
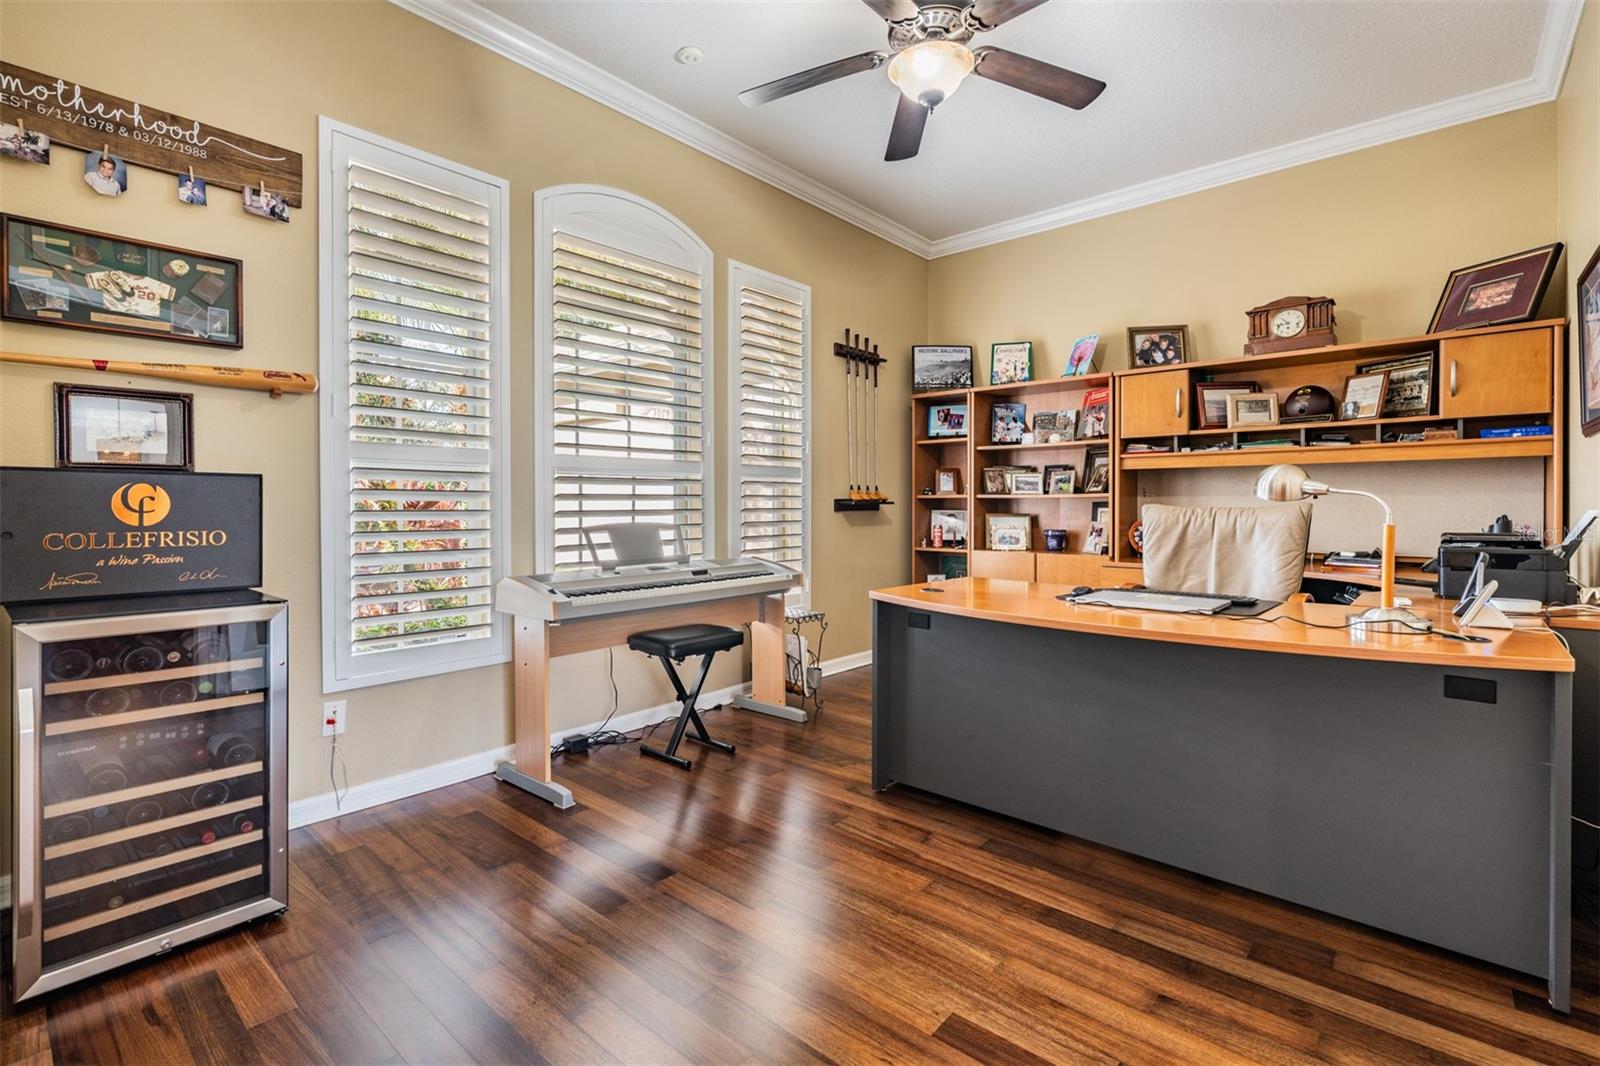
[(521, 46), (506, 38), (1544, 85)]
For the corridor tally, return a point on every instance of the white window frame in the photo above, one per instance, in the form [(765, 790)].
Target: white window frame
[(627, 222), (740, 275), (339, 672)]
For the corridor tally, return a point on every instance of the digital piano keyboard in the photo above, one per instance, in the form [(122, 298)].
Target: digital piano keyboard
[(590, 593)]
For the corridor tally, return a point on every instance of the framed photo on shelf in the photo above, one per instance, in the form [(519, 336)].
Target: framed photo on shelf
[(994, 480), (947, 420), (1211, 401), (63, 276), (1029, 483), (951, 527), (1081, 359), (101, 427), (1252, 409), (947, 481), (1094, 419), (1011, 361), (1410, 387), (1098, 477), (952, 567), (1157, 345), (1507, 289), (1588, 327), (1009, 532), (1007, 423), (940, 366), (1364, 395), (1060, 480)]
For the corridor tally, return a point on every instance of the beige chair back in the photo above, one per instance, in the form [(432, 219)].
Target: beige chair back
[(1247, 551)]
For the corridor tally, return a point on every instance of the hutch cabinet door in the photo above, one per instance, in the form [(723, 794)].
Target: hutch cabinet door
[(1495, 374), (1154, 405)]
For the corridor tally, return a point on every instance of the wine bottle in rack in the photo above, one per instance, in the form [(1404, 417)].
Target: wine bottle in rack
[(231, 749), (172, 693), (142, 654), (109, 701), (204, 647), (68, 662)]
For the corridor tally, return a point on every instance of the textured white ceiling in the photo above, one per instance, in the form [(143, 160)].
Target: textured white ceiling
[(1190, 84)]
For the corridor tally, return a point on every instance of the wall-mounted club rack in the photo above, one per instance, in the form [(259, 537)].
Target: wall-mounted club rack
[(861, 362)]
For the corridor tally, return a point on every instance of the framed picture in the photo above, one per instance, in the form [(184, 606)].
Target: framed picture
[(1157, 345), (1100, 513), (1027, 483), (1094, 420), (1081, 359), (1007, 423), (1098, 477), (1060, 480), (947, 481), (99, 427), (1363, 395), (1095, 543), (947, 420), (952, 527), (1588, 327), (1009, 532), (952, 567), (61, 276), (1011, 361), (1211, 401), (1252, 409), (1410, 388), (994, 480), (1507, 289), (1044, 424), (940, 366)]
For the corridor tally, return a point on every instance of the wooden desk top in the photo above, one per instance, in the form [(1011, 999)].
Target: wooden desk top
[(1030, 603)]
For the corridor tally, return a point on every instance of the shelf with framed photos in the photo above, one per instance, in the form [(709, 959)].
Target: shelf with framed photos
[(1068, 513), (935, 458), (1447, 397)]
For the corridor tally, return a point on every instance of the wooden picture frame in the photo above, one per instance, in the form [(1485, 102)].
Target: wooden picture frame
[(56, 275), (1163, 345), (1368, 391), (1008, 532), (1262, 410), (1497, 291), (1206, 406), (1411, 386), (1588, 329), (947, 481), (1018, 365), (99, 428)]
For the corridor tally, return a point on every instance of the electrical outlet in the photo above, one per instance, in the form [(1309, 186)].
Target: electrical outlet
[(332, 717)]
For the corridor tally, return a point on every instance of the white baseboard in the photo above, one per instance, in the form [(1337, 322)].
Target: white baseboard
[(314, 809)]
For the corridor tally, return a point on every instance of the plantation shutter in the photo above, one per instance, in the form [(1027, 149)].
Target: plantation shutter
[(414, 292), (770, 467), (626, 380)]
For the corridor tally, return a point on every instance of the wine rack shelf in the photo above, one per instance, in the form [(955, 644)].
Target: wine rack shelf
[(116, 873), (155, 825), (171, 673), (151, 714), (139, 906), (154, 788)]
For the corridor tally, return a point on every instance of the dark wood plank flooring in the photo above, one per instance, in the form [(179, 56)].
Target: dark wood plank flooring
[(771, 908)]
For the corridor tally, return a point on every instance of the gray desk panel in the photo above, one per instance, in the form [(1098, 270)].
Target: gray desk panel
[(1354, 787)]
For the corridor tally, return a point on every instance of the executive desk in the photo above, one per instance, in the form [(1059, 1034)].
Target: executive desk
[(1409, 782)]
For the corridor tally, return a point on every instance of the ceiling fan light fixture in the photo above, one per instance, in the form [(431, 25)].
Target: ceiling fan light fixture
[(930, 71)]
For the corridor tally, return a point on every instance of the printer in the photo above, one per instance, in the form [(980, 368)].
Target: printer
[(1523, 566)]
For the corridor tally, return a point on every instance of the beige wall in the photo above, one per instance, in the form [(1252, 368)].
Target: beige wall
[(1578, 224), (379, 68), (1378, 230)]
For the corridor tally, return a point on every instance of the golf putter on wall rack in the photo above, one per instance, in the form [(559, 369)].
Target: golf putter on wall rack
[(861, 361)]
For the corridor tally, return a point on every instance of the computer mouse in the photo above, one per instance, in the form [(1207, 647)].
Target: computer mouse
[(1081, 589)]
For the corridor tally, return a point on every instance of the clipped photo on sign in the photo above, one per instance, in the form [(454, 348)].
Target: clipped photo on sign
[(258, 201), (106, 174), (26, 145)]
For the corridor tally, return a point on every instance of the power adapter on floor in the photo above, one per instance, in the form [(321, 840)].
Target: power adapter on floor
[(577, 745)]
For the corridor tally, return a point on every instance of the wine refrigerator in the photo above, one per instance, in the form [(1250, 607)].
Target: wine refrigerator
[(146, 778)]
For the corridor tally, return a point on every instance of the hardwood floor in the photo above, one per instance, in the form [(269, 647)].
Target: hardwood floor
[(770, 907)]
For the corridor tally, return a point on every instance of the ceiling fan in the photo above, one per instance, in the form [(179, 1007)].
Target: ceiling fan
[(928, 57)]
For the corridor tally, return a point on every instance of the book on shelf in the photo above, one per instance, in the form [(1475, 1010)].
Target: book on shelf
[(1138, 446), (1515, 431), (1275, 442)]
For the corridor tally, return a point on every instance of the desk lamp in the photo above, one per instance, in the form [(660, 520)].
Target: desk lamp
[(1286, 483)]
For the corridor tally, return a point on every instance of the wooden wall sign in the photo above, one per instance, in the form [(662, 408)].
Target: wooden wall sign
[(85, 118)]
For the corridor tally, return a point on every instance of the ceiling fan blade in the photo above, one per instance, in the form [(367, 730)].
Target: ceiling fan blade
[(806, 79), (905, 136), (893, 10), (992, 13), (1065, 87)]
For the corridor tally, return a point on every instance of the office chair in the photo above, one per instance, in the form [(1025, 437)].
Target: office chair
[(635, 543), (1247, 551)]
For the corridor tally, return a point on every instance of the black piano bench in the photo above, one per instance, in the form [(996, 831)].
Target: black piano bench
[(674, 645)]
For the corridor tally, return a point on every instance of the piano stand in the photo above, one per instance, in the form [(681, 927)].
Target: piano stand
[(537, 640)]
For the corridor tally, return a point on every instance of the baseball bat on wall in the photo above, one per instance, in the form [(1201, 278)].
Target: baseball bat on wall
[(276, 382)]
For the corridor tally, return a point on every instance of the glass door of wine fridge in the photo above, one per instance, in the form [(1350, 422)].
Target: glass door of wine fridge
[(149, 785)]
